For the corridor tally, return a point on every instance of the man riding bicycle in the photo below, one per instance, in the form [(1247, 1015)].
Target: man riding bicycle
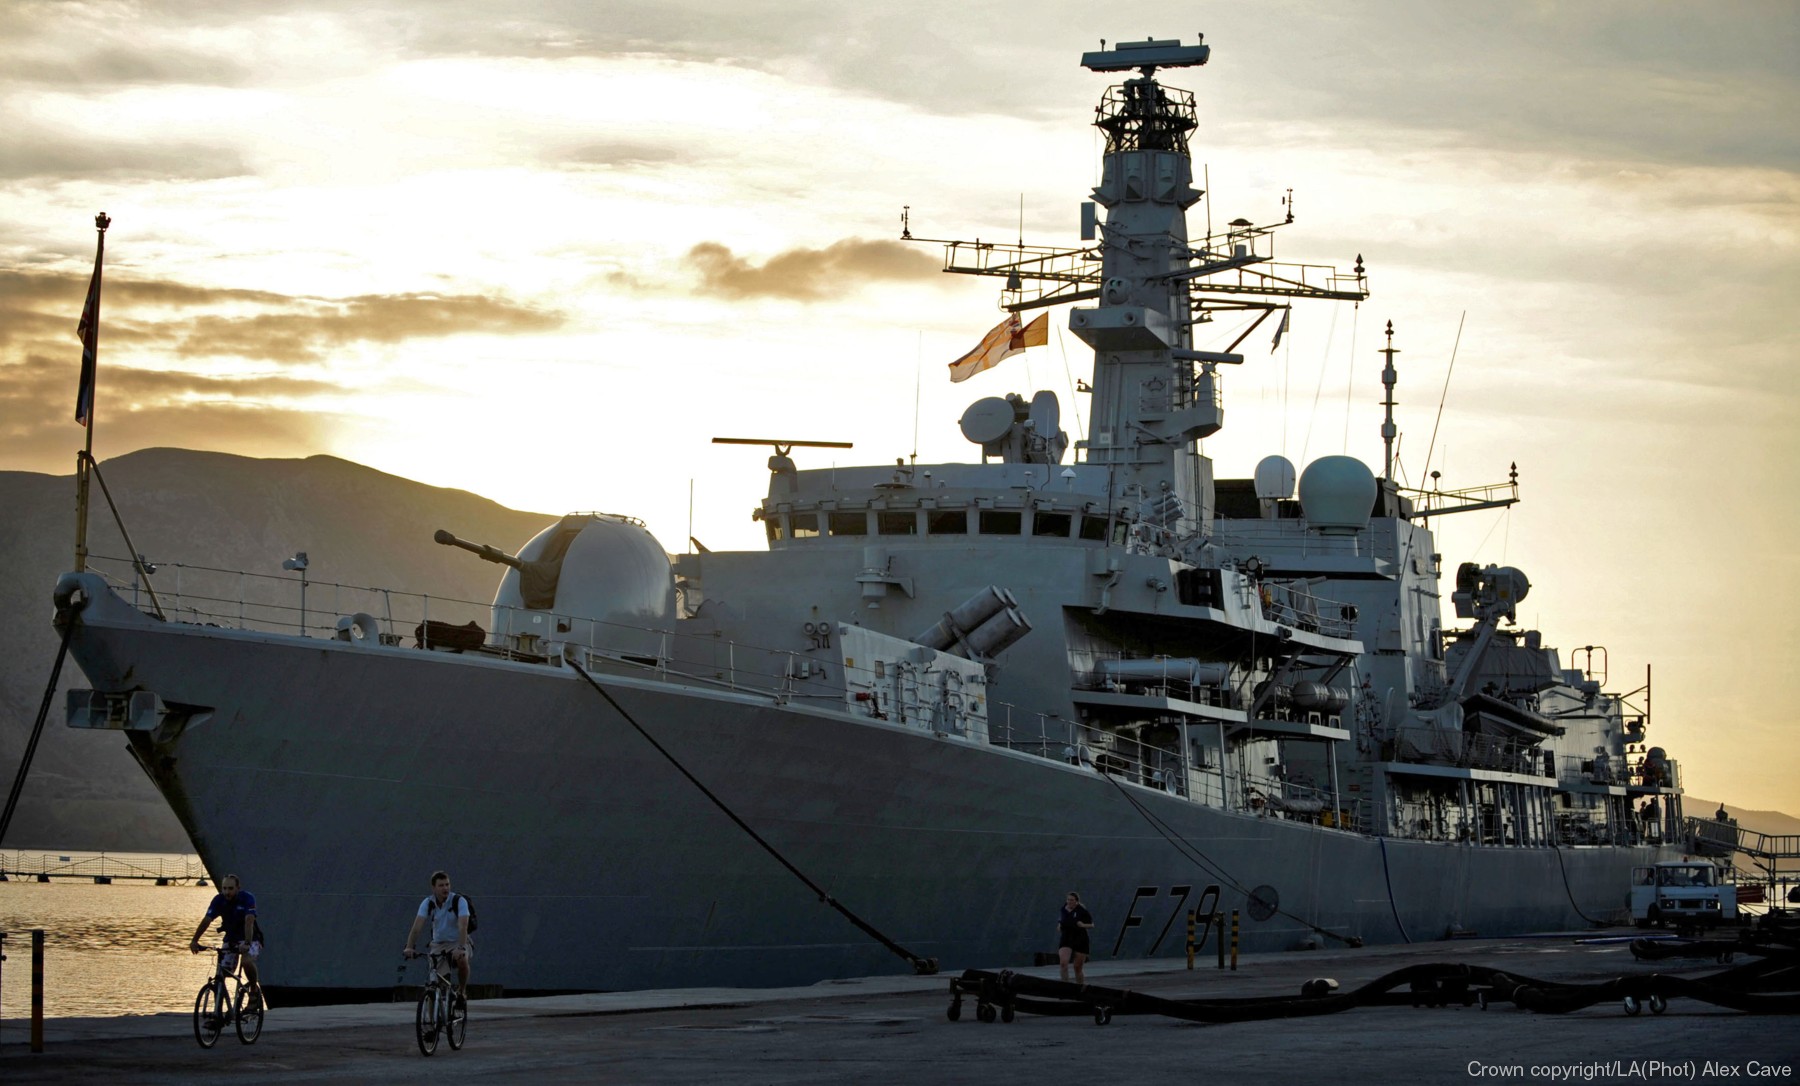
[(235, 909), (448, 915)]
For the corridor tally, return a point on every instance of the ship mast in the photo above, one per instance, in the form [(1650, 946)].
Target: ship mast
[(1154, 394), (1388, 430)]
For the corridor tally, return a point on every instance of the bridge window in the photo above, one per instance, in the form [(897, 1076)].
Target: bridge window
[(1056, 524), (849, 524), (897, 523), (999, 522), (947, 522), (804, 525), (1094, 528)]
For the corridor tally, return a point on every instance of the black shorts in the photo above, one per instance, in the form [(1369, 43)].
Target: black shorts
[(1077, 942)]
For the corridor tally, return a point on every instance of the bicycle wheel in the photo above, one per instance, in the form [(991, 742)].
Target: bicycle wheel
[(249, 1014), (426, 1020), (459, 1020), (209, 1014)]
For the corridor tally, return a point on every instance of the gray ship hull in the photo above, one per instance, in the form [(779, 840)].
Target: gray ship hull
[(335, 777)]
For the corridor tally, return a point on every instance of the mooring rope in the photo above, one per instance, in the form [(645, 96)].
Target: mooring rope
[(37, 730), (1569, 890), (1388, 878), (1431, 984), (922, 966), (1207, 864)]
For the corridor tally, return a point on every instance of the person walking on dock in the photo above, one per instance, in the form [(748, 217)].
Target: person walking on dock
[(235, 907), (1072, 936), (448, 915)]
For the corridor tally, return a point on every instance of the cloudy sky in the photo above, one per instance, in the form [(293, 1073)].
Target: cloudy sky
[(545, 255)]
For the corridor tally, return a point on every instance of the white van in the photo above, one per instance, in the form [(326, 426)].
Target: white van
[(1685, 893)]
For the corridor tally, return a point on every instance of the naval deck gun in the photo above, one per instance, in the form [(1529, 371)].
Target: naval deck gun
[(491, 554)]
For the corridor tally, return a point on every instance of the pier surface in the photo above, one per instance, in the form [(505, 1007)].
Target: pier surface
[(894, 1029)]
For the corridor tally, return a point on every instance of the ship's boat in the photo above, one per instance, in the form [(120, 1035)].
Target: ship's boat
[(942, 696)]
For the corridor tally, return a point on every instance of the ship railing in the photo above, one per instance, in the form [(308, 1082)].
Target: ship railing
[(1289, 603), (1441, 746), (1059, 739), (1596, 770), (1643, 773), (273, 603), (1635, 773), (1279, 537), (1728, 836), (281, 603)]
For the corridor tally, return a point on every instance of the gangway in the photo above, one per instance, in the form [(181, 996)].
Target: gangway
[(1715, 837)]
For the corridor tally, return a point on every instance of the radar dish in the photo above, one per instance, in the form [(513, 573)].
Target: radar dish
[(1275, 478), (1046, 414), (987, 419)]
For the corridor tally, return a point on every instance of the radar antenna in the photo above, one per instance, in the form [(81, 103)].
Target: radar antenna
[(782, 445)]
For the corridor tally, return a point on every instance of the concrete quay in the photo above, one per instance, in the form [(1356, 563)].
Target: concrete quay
[(894, 1029)]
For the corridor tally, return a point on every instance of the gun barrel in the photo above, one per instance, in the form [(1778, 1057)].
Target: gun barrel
[(481, 549)]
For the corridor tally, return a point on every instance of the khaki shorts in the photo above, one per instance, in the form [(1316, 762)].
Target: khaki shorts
[(450, 946)]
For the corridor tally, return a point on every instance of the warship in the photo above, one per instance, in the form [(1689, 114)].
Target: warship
[(942, 696)]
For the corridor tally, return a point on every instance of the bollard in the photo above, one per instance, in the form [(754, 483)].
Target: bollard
[(1234, 939), (1218, 921), (37, 989), (1190, 940)]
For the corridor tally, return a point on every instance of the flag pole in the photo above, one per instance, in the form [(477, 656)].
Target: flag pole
[(89, 331)]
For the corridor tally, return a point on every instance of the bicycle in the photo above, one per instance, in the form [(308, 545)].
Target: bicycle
[(441, 1013), (227, 998)]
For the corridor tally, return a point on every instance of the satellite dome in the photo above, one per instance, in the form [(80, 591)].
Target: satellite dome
[(1337, 494), (1275, 478)]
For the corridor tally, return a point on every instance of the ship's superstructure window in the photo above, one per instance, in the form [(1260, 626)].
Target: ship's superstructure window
[(1056, 524), (849, 524), (1000, 522), (804, 526), (897, 523), (947, 522), (1094, 528), (773, 527)]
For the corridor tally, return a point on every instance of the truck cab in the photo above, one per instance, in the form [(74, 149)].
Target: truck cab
[(1685, 893)]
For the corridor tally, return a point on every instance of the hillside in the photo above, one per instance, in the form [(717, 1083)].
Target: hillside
[(357, 525)]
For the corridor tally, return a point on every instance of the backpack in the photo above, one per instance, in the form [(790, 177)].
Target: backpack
[(451, 904)]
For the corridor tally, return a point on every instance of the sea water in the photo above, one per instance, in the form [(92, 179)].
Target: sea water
[(109, 949)]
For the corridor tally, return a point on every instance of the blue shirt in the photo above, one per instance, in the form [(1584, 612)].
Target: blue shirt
[(232, 913), (443, 917)]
